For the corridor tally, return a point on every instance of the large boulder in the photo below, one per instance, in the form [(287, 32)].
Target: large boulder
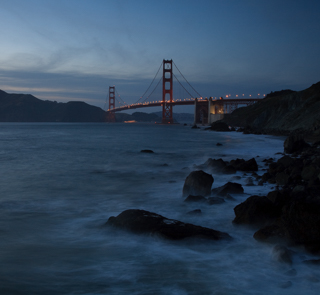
[(300, 221), (219, 126), (256, 210), (198, 183), (294, 143), (145, 222)]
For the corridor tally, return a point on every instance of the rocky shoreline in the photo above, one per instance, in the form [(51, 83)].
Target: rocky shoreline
[(288, 216)]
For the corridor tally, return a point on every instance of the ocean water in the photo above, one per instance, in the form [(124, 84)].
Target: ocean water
[(60, 183)]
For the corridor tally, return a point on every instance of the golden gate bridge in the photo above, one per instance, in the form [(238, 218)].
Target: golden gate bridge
[(206, 110)]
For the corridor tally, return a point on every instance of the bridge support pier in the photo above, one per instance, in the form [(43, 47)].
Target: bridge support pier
[(167, 92), (201, 113)]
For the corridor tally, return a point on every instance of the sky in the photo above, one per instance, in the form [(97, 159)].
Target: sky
[(73, 50)]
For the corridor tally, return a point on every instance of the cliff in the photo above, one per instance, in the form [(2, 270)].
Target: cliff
[(282, 112)]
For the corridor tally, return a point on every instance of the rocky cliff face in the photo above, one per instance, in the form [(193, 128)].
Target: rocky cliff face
[(282, 113)]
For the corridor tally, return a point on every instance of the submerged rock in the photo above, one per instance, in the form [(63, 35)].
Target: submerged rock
[(225, 167), (191, 198), (282, 254), (141, 221), (147, 151), (228, 188), (198, 183)]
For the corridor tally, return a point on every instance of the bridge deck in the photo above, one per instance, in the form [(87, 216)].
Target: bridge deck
[(187, 102)]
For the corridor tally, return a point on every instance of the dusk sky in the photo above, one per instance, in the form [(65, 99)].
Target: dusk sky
[(66, 50)]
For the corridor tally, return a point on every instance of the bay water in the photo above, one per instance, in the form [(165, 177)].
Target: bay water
[(61, 182)]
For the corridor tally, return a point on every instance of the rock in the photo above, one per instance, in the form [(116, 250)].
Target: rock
[(219, 126), (215, 165), (144, 222), (270, 233), (198, 183), (300, 221), (286, 161), (219, 144), (242, 165), (191, 198), (294, 143), (195, 127), (194, 212), (249, 181), (282, 254), (282, 178), (255, 210), (147, 151), (228, 170), (285, 285), (310, 172), (215, 200), (228, 188)]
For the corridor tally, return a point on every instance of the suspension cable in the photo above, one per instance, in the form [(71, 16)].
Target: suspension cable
[(186, 80), (150, 84), (122, 101), (153, 90), (182, 85)]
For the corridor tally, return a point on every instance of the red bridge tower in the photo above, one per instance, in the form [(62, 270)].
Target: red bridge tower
[(167, 93), (111, 117)]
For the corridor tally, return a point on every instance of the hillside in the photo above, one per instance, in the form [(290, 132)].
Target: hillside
[(27, 108), (281, 112)]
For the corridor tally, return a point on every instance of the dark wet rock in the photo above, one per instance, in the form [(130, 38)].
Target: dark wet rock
[(271, 233), (215, 200), (242, 165), (282, 178), (228, 170), (225, 167), (300, 220), (285, 285), (294, 143), (228, 188), (215, 164), (286, 161), (144, 222), (255, 210), (219, 144), (282, 254), (198, 183), (249, 181), (219, 126), (191, 198), (310, 172), (195, 127), (195, 212), (147, 151)]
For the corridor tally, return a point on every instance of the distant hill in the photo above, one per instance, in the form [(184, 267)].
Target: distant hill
[(282, 112), (27, 108)]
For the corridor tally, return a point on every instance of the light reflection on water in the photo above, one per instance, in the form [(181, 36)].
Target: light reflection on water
[(61, 182)]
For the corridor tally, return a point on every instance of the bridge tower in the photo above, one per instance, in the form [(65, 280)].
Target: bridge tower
[(167, 92), (111, 117)]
